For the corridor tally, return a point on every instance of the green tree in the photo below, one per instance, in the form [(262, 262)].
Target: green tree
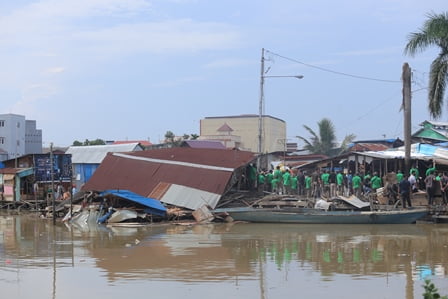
[(88, 142), (97, 142), (325, 141), (194, 136), (431, 291), (345, 143), (169, 137), (433, 33)]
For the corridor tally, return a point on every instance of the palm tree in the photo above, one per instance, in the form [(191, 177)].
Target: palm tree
[(325, 142), (433, 33)]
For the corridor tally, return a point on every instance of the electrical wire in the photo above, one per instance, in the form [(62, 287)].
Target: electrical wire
[(331, 71)]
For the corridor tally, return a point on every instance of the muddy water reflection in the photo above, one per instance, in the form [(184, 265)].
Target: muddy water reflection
[(38, 260)]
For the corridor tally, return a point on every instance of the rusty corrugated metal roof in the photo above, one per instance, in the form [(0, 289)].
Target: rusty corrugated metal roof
[(141, 172), (213, 157), (362, 147)]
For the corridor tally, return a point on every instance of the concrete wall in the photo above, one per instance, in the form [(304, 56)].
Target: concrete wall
[(247, 127), (18, 136)]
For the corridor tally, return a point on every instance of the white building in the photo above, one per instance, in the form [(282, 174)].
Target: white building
[(18, 137)]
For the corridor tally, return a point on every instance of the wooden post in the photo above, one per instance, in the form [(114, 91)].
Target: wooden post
[(52, 183), (406, 77)]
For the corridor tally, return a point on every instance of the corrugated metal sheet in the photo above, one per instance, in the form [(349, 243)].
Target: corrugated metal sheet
[(159, 190), (155, 207), (94, 154), (214, 157), (418, 151), (360, 147), (189, 198), (171, 162), (206, 170), (204, 144)]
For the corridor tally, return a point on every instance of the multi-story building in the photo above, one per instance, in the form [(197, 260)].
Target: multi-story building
[(243, 132), (18, 137)]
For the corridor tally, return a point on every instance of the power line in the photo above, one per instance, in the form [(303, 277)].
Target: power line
[(334, 72)]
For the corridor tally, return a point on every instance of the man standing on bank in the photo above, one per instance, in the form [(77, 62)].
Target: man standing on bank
[(404, 188)]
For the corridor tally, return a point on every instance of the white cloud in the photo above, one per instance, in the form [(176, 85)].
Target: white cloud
[(160, 37), (57, 27)]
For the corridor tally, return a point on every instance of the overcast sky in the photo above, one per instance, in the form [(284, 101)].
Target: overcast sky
[(134, 69)]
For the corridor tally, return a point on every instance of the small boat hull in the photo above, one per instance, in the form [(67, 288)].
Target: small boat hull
[(315, 216)]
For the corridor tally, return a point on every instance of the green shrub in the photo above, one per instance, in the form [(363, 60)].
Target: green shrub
[(431, 291)]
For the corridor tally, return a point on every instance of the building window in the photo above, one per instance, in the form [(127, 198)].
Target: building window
[(2, 140), (2, 123)]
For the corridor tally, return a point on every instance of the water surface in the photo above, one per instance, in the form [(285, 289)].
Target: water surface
[(39, 260)]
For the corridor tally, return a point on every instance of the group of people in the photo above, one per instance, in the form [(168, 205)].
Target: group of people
[(283, 180), (433, 181), (330, 183)]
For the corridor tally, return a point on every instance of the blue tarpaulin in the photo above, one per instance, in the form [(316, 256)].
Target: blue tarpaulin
[(154, 206)]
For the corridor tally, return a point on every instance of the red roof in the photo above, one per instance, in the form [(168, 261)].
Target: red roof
[(9, 170), (141, 172), (225, 128)]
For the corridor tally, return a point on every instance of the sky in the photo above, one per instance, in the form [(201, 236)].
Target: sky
[(135, 69)]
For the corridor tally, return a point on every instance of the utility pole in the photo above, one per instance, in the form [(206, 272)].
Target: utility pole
[(406, 77), (260, 112), (52, 183)]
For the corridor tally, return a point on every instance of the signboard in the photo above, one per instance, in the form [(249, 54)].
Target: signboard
[(62, 167)]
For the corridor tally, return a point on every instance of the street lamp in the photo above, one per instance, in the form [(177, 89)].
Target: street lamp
[(261, 104)]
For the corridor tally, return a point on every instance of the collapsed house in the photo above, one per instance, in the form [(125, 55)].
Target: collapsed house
[(188, 178)]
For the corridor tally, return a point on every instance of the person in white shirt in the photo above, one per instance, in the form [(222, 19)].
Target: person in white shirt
[(413, 182)]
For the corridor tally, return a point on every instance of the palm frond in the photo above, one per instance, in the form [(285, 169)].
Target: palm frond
[(437, 84), (347, 140), (433, 33)]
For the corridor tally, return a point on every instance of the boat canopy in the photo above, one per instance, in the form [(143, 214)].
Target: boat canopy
[(154, 206)]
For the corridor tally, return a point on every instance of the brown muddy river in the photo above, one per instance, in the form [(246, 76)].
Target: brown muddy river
[(39, 260)]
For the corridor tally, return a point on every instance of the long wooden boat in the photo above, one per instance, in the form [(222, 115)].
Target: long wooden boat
[(317, 216)]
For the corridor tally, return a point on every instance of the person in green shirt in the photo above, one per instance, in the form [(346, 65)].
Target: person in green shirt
[(308, 185), (429, 170), (274, 186), (399, 176), (416, 173), (286, 182), (375, 181), (357, 185), (251, 176), (325, 177), (294, 184), (279, 177), (340, 183)]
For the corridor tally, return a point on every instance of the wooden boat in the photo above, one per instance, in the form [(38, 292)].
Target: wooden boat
[(318, 216)]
